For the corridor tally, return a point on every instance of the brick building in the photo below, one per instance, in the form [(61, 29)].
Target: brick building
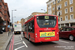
[(65, 11), (4, 16)]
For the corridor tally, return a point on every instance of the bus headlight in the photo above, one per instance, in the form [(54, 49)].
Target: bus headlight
[(36, 36)]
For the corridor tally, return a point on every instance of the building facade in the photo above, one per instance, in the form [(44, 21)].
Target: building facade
[(35, 13), (4, 16), (64, 9), (22, 21), (49, 6)]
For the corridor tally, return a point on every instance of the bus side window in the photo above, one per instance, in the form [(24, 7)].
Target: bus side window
[(26, 27), (31, 26)]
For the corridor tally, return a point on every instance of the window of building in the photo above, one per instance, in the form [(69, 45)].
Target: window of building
[(59, 7), (71, 1), (66, 17), (4, 11), (5, 6), (49, 11), (71, 9), (66, 3), (59, 13), (53, 8), (66, 10), (58, 19), (54, 2), (0, 12), (61, 19), (0, 6), (5, 17), (48, 5), (71, 16), (0, 0), (58, 1)]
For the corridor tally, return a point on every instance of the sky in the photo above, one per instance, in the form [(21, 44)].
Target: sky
[(24, 8)]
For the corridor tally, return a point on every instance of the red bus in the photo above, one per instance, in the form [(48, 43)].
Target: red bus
[(42, 28)]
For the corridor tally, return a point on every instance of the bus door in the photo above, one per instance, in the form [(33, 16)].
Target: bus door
[(26, 30)]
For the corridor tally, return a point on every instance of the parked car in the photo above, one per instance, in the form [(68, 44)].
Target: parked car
[(1, 32), (67, 32)]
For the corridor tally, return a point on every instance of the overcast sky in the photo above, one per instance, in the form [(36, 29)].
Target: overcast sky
[(25, 7)]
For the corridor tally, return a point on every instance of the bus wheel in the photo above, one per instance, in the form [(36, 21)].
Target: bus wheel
[(24, 35), (71, 37)]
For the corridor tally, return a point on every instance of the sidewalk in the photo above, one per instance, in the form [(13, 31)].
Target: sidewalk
[(4, 40)]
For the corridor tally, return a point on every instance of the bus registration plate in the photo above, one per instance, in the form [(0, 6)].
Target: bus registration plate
[(47, 34), (47, 38)]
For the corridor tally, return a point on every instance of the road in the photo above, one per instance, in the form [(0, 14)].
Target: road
[(21, 43)]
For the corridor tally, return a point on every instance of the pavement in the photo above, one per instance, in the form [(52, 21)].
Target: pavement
[(5, 39)]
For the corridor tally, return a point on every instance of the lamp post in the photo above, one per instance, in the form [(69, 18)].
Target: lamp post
[(12, 17), (55, 8), (43, 9)]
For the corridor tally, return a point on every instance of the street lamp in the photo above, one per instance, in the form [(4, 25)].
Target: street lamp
[(43, 9), (12, 17)]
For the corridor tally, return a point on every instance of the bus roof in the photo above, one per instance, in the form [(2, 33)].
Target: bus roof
[(32, 17)]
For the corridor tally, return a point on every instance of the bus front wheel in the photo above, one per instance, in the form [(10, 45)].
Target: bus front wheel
[(29, 37), (24, 35)]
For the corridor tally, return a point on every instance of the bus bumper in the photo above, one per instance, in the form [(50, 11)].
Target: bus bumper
[(47, 39)]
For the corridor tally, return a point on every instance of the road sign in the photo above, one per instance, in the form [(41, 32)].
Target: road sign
[(8, 26), (15, 25)]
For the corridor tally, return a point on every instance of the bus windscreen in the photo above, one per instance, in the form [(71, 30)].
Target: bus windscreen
[(46, 21)]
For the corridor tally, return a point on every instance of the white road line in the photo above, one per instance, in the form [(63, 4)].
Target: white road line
[(63, 41), (18, 43), (19, 47), (21, 38), (25, 44), (18, 39)]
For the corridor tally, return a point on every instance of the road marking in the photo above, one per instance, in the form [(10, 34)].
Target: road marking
[(19, 47), (63, 41), (25, 44), (21, 38), (18, 43)]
